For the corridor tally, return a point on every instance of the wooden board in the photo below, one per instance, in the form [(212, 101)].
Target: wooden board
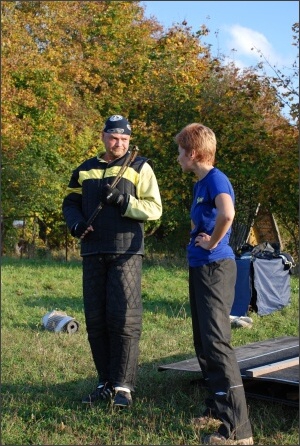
[(280, 385), (265, 369), (254, 355)]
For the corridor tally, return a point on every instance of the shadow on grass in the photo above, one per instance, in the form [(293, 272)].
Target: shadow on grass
[(74, 305), (159, 404), (63, 303), (71, 306), (163, 405), (169, 395)]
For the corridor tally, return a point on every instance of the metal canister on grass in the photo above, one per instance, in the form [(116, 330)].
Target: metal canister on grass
[(59, 321)]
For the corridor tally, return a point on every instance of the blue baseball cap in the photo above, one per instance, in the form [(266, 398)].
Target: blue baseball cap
[(117, 124)]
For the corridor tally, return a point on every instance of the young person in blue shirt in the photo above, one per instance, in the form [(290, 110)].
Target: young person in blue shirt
[(212, 276)]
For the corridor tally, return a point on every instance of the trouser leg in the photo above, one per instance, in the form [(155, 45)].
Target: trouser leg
[(113, 314), (94, 299), (194, 305), (212, 295), (124, 318)]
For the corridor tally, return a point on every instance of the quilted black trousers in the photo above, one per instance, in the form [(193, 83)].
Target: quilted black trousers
[(212, 290), (113, 315)]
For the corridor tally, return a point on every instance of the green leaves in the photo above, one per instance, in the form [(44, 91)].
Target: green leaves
[(66, 66)]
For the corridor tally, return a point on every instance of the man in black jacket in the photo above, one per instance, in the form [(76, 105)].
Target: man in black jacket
[(112, 249)]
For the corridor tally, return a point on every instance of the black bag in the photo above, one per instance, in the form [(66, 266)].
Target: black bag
[(264, 251), (269, 251)]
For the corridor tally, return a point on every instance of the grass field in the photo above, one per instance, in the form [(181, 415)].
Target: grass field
[(44, 374)]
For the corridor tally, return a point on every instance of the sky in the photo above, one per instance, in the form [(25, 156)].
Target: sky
[(236, 27)]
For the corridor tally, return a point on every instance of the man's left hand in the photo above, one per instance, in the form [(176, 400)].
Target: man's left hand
[(112, 195)]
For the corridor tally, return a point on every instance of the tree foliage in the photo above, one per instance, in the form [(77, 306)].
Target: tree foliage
[(66, 66)]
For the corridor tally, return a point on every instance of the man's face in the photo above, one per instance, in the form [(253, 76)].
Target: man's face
[(116, 144)]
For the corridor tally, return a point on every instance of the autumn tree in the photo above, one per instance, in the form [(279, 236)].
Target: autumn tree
[(66, 66), (281, 183)]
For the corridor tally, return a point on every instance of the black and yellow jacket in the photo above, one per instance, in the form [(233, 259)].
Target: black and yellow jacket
[(116, 230)]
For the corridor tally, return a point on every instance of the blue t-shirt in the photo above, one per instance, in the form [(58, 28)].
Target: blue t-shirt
[(203, 215)]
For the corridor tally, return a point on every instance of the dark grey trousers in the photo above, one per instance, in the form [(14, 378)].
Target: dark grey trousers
[(113, 315), (211, 290)]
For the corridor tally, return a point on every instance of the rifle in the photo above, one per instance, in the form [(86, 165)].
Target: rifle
[(133, 153)]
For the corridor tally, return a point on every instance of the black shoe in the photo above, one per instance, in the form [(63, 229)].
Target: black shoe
[(122, 399), (103, 392)]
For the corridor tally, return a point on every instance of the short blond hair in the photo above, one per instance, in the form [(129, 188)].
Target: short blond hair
[(199, 138)]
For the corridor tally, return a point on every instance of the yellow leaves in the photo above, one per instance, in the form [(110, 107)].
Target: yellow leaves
[(168, 194), (42, 182), (27, 98), (105, 57)]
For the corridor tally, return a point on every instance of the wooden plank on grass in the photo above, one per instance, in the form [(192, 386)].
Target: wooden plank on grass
[(272, 367)]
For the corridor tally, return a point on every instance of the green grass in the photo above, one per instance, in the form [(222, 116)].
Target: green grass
[(45, 374)]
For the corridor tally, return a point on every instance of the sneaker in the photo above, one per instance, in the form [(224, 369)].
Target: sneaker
[(242, 321), (217, 438), (206, 421), (103, 392), (122, 399)]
